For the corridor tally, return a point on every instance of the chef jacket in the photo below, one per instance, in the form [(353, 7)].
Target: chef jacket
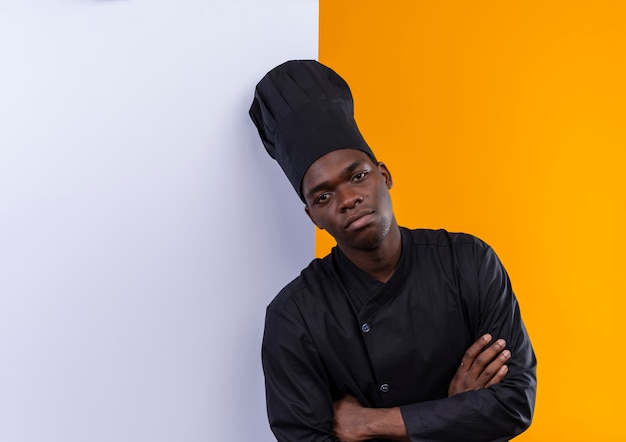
[(335, 330)]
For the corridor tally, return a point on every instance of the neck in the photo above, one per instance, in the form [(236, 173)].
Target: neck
[(380, 262)]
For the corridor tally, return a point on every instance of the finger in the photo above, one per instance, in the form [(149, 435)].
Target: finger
[(499, 376), (487, 356), (492, 374), (473, 351)]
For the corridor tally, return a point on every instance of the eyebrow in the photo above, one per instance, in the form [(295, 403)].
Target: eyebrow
[(326, 184)]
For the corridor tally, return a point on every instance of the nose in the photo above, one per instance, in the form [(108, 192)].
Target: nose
[(349, 199)]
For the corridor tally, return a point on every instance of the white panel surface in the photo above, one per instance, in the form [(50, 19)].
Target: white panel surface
[(143, 228)]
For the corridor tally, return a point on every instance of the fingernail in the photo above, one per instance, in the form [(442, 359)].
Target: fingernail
[(487, 337), (506, 354), (501, 342)]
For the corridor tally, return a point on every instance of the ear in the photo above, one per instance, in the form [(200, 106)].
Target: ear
[(384, 171), (312, 218)]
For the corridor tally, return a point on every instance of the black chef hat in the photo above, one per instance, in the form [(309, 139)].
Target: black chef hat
[(303, 110)]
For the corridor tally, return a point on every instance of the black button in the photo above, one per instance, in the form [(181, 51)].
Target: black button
[(365, 328), (384, 388)]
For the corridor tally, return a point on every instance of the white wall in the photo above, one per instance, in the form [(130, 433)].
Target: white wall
[(143, 228)]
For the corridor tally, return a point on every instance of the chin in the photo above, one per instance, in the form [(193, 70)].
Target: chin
[(370, 239)]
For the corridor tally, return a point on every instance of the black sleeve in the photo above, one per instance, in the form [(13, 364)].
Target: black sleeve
[(499, 412), (299, 402)]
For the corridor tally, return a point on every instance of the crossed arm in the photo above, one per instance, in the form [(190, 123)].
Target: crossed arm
[(482, 365), (490, 397)]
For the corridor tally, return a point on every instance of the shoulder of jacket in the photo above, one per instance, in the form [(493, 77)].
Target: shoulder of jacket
[(444, 238), (318, 272)]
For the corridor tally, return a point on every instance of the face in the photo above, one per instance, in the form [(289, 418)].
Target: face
[(348, 195)]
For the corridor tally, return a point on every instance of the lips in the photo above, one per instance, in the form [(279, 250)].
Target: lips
[(359, 220)]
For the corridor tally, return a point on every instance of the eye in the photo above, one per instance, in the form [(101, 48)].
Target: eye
[(322, 198), (359, 175)]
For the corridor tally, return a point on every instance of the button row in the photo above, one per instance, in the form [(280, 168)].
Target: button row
[(365, 328)]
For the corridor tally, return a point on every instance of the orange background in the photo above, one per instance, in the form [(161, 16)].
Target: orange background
[(507, 120)]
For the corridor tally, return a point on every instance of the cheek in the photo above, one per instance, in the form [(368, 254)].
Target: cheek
[(385, 198), (328, 222), (315, 220), (318, 219)]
